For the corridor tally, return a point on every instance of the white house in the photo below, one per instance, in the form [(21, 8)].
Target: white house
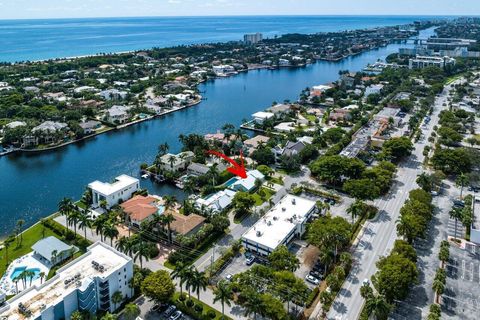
[(87, 283), (247, 184), (261, 116), (176, 162), (216, 202), (113, 94), (117, 114), (373, 89), (223, 70), (120, 190), (285, 221)]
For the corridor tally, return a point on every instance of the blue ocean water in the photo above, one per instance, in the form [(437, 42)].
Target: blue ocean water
[(44, 39)]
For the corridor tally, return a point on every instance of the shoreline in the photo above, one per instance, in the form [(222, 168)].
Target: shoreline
[(119, 127)]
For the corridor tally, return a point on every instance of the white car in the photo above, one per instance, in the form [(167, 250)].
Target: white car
[(229, 277), (312, 280), (366, 282)]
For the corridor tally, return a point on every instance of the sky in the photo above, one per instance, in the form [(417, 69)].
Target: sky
[(35, 9)]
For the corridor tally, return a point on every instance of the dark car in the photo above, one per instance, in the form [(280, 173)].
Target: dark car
[(176, 315), (316, 274), (169, 311), (158, 308), (458, 203)]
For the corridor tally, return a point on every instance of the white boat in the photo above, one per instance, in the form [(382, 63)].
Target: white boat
[(145, 176)]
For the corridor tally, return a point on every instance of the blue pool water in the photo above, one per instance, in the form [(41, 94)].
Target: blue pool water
[(231, 181), (18, 271)]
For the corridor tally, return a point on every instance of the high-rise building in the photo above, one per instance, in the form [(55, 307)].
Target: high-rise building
[(252, 38)]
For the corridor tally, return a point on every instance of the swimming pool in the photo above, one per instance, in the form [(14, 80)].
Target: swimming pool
[(230, 182), (18, 271)]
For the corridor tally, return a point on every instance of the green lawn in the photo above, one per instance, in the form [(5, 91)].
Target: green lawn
[(277, 180), (190, 311), (30, 237), (38, 232), (267, 194)]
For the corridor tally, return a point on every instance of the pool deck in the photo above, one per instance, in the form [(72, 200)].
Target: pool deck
[(30, 262)]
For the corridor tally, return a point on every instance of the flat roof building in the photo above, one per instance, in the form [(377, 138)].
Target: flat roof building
[(86, 284), (285, 221), (120, 190)]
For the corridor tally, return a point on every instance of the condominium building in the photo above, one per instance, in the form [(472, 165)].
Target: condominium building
[(252, 38), (285, 221), (86, 284), (113, 193), (420, 62)]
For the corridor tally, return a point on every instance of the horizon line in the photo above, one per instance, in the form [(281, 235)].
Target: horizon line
[(246, 15)]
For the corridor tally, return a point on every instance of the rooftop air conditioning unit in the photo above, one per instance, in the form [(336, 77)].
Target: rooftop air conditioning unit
[(293, 201), (275, 218), (269, 223), (259, 234), (284, 209)]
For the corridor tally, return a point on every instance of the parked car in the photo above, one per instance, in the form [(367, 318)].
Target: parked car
[(176, 315), (229, 277), (312, 280), (171, 309), (250, 260), (157, 308), (458, 203), (434, 193), (316, 274), (366, 282)]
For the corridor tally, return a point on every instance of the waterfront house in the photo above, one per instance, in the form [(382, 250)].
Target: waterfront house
[(117, 114), (90, 126), (141, 209), (317, 91), (261, 116), (176, 162), (252, 144), (223, 70), (52, 250), (113, 193), (49, 131), (15, 124), (279, 109), (197, 169)]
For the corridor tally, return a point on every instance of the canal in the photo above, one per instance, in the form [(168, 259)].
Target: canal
[(31, 185)]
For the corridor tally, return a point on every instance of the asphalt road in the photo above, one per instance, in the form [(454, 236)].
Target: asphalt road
[(380, 234)]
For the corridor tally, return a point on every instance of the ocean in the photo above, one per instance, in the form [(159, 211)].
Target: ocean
[(22, 40)]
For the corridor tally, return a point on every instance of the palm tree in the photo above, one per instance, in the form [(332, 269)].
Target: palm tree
[(122, 244), (85, 221), (456, 213), (189, 279), (131, 311), (7, 243), (53, 259), (117, 297), (167, 218), (356, 209), (98, 223), (73, 217), (223, 293), (42, 276), (378, 306), (110, 231), (461, 181), (179, 273), (200, 281), (172, 159), (439, 287), (30, 275), (20, 223), (142, 251), (65, 206), (109, 316), (252, 304), (77, 315)]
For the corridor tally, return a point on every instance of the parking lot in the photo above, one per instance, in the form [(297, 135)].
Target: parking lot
[(461, 300), (147, 313)]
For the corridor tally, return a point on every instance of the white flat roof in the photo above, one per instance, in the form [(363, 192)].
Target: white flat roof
[(53, 290), (272, 229), (120, 183), (262, 115)]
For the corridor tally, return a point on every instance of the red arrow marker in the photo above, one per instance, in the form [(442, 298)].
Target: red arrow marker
[(236, 169)]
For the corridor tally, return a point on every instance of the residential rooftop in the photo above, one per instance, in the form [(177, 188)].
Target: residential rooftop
[(121, 182), (280, 221)]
